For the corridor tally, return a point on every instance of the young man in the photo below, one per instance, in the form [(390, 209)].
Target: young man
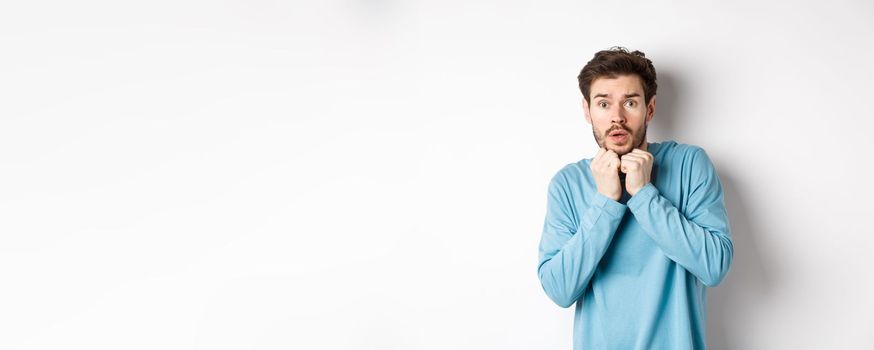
[(635, 234)]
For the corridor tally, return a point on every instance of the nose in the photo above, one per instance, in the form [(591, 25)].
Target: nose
[(617, 115)]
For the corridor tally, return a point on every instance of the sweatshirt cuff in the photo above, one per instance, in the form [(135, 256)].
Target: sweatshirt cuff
[(643, 196), (614, 208)]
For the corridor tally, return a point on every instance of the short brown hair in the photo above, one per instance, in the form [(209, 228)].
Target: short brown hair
[(618, 61)]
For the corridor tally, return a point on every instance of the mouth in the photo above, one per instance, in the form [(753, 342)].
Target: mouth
[(618, 136)]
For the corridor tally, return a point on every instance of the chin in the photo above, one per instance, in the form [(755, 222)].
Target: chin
[(621, 150)]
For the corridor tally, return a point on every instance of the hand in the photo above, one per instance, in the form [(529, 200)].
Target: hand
[(637, 166), (605, 170)]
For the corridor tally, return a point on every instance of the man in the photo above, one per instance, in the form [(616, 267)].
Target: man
[(635, 234)]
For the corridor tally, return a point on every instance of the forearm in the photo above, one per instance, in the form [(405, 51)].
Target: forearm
[(704, 248), (567, 264)]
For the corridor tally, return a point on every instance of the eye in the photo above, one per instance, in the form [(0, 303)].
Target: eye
[(602, 104), (631, 103)]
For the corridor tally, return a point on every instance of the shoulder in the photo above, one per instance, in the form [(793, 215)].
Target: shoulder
[(672, 153), (571, 173), (690, 161), (673, 149)]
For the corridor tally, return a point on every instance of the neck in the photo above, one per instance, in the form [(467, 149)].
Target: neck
[(643, 145)]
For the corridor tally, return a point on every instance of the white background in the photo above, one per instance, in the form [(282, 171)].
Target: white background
[(372, 174)]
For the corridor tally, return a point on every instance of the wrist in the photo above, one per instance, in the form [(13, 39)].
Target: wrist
[(636, 190), (609, 192), (612, 196), (644, 195)]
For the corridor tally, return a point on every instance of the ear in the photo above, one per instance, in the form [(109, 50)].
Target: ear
[(650, 109), (586, 111)]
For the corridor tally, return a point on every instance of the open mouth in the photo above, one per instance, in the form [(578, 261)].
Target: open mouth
[(618, 136)]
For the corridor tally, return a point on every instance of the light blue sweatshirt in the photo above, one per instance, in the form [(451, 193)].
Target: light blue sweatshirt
[(637, 268)]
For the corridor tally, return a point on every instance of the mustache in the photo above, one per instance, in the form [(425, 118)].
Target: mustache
[(616, 127)]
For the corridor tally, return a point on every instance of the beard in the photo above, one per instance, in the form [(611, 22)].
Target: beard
[(637, 139)]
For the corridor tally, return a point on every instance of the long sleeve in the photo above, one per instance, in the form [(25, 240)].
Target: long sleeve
[(699, 239), (570, 249)]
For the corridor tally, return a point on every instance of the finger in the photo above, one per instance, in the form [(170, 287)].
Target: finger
[(597, 158), (641, 153), (625, 168), (632, 158), (630, 163), (615, 163)]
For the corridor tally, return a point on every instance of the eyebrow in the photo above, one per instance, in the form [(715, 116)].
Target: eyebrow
[(633, 94)]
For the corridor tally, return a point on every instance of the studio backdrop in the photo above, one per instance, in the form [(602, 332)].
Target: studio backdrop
[(372, 174)]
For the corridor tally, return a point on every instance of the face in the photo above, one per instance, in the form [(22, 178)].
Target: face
[(618, 114)]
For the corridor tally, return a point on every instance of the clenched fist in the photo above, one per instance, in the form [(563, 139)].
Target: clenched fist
[(605, 170), (637, 166)]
